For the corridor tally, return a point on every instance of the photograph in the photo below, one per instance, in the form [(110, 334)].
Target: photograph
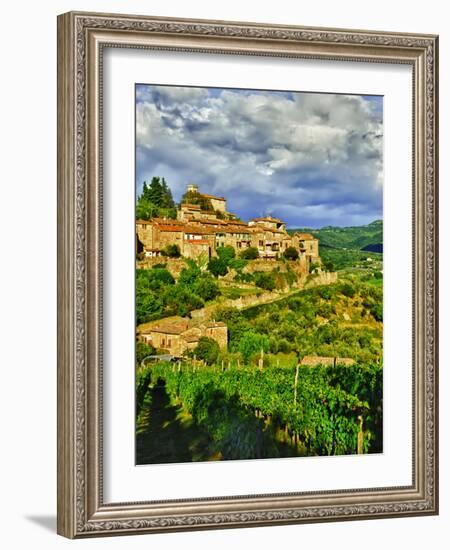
[(259, 274)]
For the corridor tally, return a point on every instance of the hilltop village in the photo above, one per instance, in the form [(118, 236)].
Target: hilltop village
[(203, 226)]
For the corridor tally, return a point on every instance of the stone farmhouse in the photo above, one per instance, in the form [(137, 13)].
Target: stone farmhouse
[(197, 231), (177, 334)]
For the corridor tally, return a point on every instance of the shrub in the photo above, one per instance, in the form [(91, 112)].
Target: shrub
[(171, 251), (313, 266), (180, 300), (252, 343), (143, 350), (206, 287), (348, 290), (264, 280), (226, 253), (237, 263), (149, 306), (207, 350), (291, 253), (377, 311), (250, 253), (189, 275), (217, 267)]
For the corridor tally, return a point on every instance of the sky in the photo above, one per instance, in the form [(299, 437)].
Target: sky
[(311, 159)]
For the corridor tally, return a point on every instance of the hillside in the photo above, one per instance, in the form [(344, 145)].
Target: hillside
[(364, 237)]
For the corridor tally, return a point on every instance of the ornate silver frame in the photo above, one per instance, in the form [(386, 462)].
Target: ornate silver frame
[(81, 38)]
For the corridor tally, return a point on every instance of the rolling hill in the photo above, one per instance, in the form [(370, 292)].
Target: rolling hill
[(364, 237)]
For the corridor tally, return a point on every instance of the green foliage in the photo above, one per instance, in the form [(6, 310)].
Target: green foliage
[(252, 343), (238, 264), (348, 290), (180, 300), (324, 418), (250, 253), (377, 311), (149, 285), (218, 267), (143, 350), (171, 251), (356, 237), (149, 306), (291, 253), (207, 350), (340, 258), (190, 274), (155, 200), (264, 280), (313, 267), (206, 287), (226, 253), (194, 197)]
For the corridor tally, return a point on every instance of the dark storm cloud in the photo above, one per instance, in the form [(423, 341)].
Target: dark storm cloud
[(312, 159)]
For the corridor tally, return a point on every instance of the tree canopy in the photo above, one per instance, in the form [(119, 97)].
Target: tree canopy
[(155, 200)]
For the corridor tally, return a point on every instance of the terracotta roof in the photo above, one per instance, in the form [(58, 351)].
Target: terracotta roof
[(191, 206), (168, 220), (190, 338), (305, 236), (197, 230), (213, 197), (169, 327), (231, 229), (211, 221), (170, 228), (266, 219)]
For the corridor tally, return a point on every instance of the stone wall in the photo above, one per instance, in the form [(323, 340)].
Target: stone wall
[(173, 265), (323, 278)]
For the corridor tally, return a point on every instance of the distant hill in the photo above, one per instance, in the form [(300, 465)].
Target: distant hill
[(363, 237)]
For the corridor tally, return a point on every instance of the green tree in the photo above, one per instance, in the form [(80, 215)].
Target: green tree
[(206, 287), (226, 253), (194, 197), (217, 267), (348, 290), (180, 300), (250, 253), (143, 350), (265, 280), (155, 200), (291, 253), (171, 251), (252, 343), (207, 350), (149, 306)]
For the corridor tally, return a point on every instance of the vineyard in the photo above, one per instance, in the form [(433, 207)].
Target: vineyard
[(245, 412)]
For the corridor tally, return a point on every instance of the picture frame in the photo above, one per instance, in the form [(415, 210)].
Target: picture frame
[(82, 40)]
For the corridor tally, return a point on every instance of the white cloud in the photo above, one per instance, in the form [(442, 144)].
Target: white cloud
[(298, 147)]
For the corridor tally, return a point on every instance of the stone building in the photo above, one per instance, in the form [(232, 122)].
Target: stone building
[(307, 244), (201, 232), (313, 361), (177, 335)]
